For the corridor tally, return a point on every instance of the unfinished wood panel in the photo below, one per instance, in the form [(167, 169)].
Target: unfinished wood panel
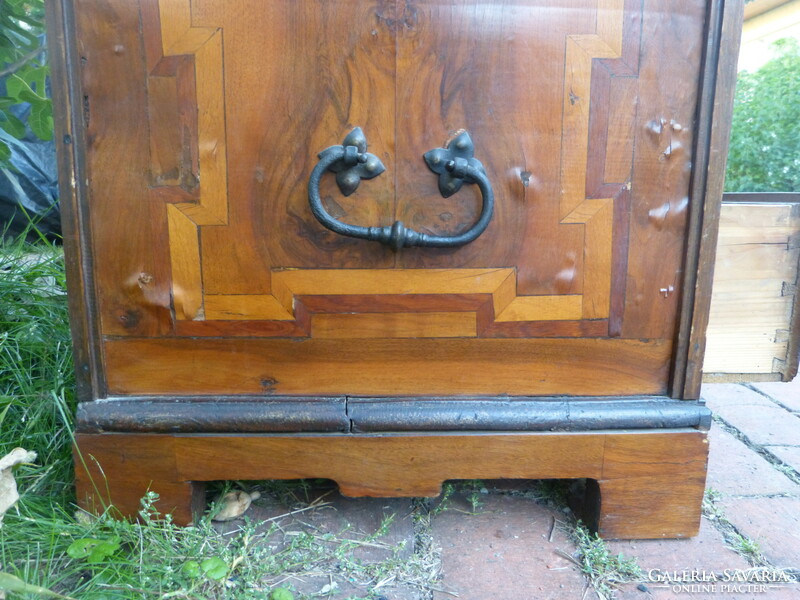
[(377, 367), (754, 291)]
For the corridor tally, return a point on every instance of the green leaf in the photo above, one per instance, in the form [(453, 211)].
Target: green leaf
[(35, 77), (215, 568), (102, 551), (28, 95), (93, 550), (5, 152), (81, 548), (10, 583), (281, 594), (12, 125), (41, 120), (16, 85), (192, 569)]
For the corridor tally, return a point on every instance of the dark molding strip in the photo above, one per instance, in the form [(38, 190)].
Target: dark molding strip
[(374, 415), (213, 415), (238, 414)]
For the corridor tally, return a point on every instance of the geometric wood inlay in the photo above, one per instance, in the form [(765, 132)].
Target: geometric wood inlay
[(597, 214), (209, 206)]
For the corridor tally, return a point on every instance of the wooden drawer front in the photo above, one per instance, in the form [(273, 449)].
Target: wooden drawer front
[(204, 119)]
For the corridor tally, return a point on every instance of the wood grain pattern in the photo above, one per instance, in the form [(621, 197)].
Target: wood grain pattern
[(639, 498), (542, 308), (620, 129), (754, 291), (598, 262), (359, 367), (661, 173), (394, 325), (204, 46), (220, 307), (629, 486), (187, 280), (299, 76), (366, 286), (585, 237), (606, 43), (128, 233)]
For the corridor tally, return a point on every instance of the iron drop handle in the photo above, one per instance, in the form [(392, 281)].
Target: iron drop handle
[(351, 162)]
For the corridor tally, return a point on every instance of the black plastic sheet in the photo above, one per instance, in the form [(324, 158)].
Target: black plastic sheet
[(29, 188)]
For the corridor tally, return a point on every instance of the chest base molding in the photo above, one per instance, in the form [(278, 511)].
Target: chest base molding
[(641, 484)]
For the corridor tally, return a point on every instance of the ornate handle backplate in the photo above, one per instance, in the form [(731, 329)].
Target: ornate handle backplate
[(351, 162)]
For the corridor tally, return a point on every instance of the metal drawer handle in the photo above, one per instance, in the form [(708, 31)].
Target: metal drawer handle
[(351, 162)]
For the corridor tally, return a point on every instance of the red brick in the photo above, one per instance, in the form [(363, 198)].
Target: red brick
[(787, 394), (504, 551), (774, 523), (722, 395), (734, 469), (706, 551), (788, 454), (760, 419)]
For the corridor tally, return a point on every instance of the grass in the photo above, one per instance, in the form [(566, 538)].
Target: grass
[(604, 569), (36, 375)]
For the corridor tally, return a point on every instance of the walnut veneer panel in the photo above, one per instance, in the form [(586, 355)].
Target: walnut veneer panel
[(580, 111), (371, 367)]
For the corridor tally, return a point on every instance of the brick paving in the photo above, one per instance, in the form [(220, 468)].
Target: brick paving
[(707, 550), (788, 454), (787, 394), (511, 547), (737, 470), (774, 523), (761, 420)]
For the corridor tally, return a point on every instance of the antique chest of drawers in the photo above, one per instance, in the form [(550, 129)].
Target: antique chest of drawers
[(391, 243)]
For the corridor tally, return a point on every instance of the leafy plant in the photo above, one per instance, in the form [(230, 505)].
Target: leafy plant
[(764, 151), (23, 65), (93, 550)]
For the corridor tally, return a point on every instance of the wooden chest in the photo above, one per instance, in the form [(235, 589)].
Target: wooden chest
[(394, 242)]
